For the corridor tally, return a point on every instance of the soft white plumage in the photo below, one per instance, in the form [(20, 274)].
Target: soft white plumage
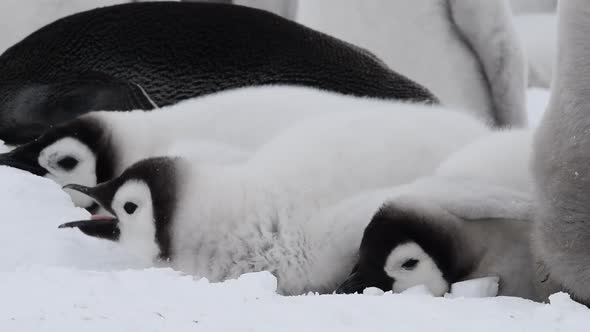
[(257, 215), (490, 225), (223, 127), (466, 52), (501, 158)]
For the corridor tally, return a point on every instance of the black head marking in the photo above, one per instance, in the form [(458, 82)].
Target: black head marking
[(392, 226), (89, 130), (160, 175)]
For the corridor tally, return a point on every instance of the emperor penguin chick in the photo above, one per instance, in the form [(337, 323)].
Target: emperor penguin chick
[(443, 235), (250, 216), (99, 146)]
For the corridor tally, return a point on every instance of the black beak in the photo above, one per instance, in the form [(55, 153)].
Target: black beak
[(104, 228), (100, 194), (88, 191), (359, 280), (100, 228), (12, 160)]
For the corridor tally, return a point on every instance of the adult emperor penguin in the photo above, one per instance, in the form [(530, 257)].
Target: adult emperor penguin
[(186, 211), (99, 146), (560, 162), (466, 52), (439, 234), (148, 55)]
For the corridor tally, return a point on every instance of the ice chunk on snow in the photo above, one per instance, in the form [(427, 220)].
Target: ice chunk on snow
[(260, 283), (481, 287), (373, 291), (418, 290), (564, 301)]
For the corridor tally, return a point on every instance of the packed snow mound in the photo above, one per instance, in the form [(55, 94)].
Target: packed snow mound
[(32, 208), (53, 299)]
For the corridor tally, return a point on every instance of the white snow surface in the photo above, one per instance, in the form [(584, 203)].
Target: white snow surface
[(61, 280)]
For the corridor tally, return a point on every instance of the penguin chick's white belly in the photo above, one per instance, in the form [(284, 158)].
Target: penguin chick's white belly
[(418, 38), (253, 216)]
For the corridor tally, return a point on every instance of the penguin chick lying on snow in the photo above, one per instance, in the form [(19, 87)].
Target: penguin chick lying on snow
[(99, 146), (441, 235), (408, 244), (248, 216)]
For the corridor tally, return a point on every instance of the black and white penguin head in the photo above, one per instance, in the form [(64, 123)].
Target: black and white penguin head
[(402, 249), (142, 201), (68, 153)]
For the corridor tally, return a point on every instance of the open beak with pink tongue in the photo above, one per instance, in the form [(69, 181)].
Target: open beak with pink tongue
[(99, 226)]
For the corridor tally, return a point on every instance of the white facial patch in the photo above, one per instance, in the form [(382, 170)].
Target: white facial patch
[(70, 161), (133, 206), (410, 266)]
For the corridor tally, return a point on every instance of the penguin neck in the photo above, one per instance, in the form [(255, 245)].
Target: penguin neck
[(137, 136), (561, 160), (128, 136)]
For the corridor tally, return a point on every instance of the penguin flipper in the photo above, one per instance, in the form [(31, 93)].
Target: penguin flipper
[(488, 29), (469, 199), (35, 107)]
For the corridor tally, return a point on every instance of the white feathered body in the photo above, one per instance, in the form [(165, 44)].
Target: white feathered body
[(255, 215), (466, 52), (501, 158), (234, 122)]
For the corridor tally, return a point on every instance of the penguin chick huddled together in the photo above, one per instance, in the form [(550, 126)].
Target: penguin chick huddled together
[(98, 146), (219, 221), (440, 231)]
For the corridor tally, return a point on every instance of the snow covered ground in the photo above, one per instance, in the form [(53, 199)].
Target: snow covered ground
[(54, 279), (60, 280)]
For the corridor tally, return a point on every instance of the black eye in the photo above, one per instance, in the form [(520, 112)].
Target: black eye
[(130, 207), (68, 163), (410, 264)]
